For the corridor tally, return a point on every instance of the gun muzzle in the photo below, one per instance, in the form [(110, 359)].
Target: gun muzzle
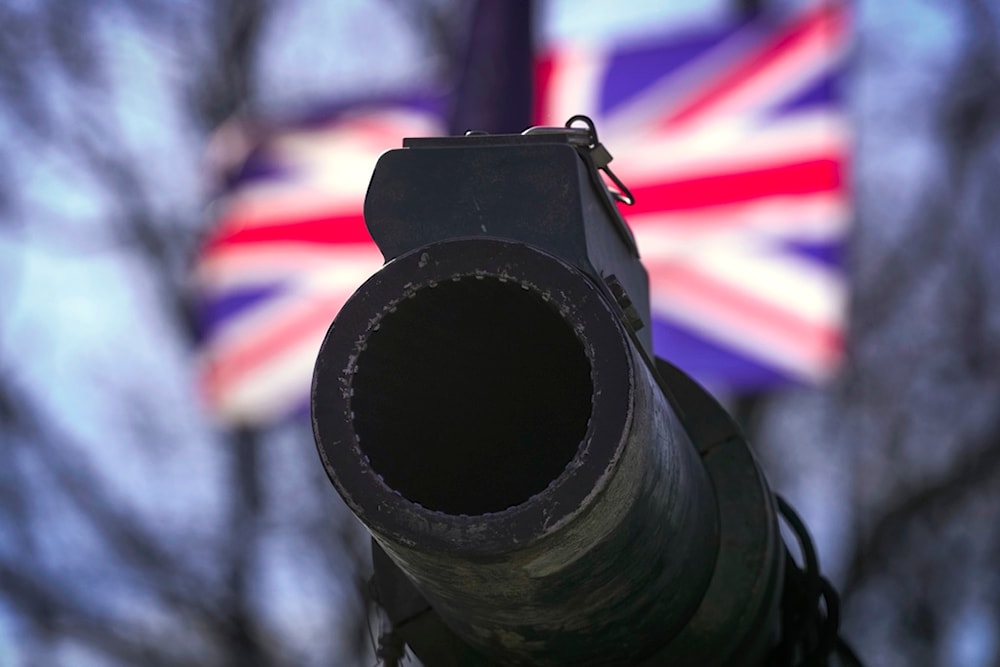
[(484, 408), (483, 412)]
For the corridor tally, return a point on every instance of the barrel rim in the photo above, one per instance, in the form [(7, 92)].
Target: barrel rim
[(397, 522)]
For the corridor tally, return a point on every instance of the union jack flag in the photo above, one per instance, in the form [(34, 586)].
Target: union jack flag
[(734, 145), (730, 139), (288, 248)]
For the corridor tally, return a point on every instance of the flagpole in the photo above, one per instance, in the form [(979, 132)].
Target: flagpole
[(493, 92)]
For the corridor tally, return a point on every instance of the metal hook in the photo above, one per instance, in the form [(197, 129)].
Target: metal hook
[(602, 157)]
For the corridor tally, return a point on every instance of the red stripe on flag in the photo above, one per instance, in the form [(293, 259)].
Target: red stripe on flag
[(791, 179), (781, 326), (325, 229), (544, 66), (825, 17)]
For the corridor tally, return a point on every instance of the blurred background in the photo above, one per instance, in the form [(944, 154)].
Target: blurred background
[(180, 192)]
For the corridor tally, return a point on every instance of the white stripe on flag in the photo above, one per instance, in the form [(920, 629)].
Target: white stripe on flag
[(238, 267)]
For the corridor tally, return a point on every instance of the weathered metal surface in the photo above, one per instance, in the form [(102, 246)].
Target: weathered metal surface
[(736, 623), (614, 545), (487, 404)]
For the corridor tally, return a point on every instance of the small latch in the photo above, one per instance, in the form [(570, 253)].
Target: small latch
[(631, 313), (602, 158)]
